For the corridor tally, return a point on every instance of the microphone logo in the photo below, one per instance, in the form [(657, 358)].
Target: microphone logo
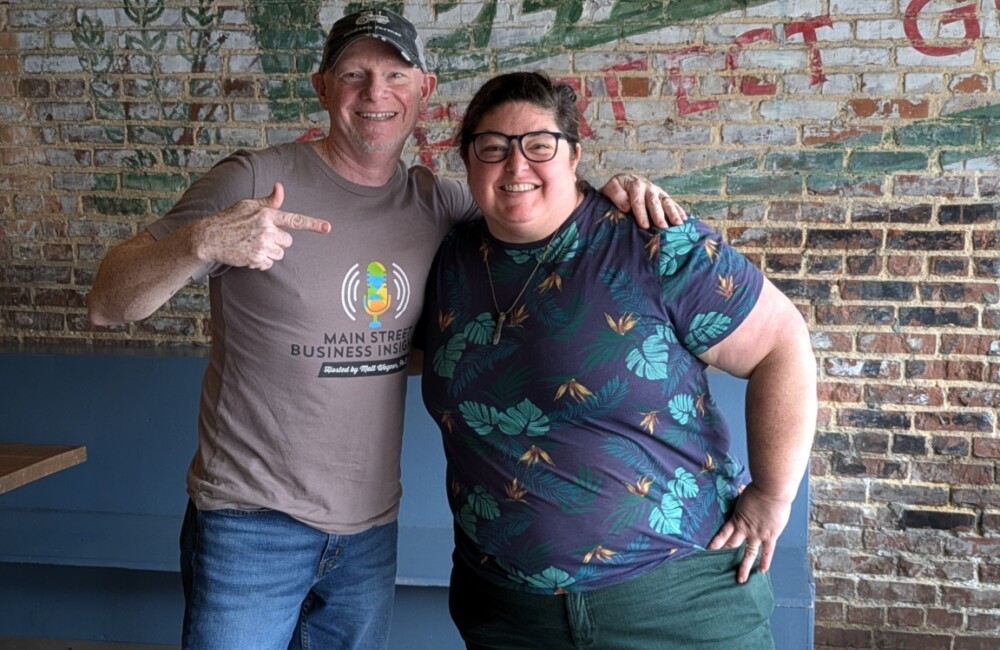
[(383, 291), (376, 300)]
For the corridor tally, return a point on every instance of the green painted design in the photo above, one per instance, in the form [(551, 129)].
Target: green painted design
[(979, 160), (153, 182), (804, 160), (936, 134), (701, 182), (991, 135), (110, 205), (887, 161), (767, 185), (705, 181), (705, 209), (568, 32), (160, 207), (679, 10), (145, 43), (477, 37), (990, 113), (104, 182), (291, 39), (286, 111)]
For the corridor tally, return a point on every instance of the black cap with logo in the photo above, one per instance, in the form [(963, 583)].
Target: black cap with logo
[(374, 23)]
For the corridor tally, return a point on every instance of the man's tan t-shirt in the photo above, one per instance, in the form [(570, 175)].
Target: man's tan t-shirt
[(302, 401)]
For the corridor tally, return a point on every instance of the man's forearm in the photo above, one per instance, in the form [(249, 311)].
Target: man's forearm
[(138, 277)]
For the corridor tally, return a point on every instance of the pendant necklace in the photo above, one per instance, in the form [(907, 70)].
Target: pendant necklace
[(502, 315)]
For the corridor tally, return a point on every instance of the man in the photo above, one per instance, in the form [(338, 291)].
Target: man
[(290, 535)]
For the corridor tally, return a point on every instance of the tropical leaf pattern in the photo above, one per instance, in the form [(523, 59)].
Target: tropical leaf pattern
[(584, 445)]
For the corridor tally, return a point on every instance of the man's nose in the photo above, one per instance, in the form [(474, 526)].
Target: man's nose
[(375, 87)]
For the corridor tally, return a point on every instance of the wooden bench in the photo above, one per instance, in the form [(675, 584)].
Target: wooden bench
[(99, 543)]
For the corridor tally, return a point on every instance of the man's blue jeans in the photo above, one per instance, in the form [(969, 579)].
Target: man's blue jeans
[(260, 579)]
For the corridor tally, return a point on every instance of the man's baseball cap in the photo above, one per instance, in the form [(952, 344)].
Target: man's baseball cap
[(374, 23)]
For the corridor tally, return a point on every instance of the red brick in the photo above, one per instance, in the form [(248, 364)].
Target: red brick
[(973, 83), (897, 343), (893, 591), (986, 447), (862, 615), (845, 515), (835, 587), (911, 541), (950, 370), (982, 497), (853, 563), (904, 616), (968, 344), (981, 622), (896, 394), (841, 393), (905, 266), (952, 473), (991, 523), (944, 619), (634, 87), (975, 642), (831, 637), (912, 641), (977, 398), (928, 568), (969, 597), (896, 108), (966, 420)]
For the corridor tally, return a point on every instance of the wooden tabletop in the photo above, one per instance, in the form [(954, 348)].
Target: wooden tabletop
[(22, 463)]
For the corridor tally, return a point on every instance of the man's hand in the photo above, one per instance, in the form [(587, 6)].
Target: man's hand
[(645, 200), (252, 233)]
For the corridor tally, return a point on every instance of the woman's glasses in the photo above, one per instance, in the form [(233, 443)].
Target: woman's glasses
[(537, 146)]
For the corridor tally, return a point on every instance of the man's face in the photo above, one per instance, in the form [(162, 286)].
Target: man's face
[(374, 98)]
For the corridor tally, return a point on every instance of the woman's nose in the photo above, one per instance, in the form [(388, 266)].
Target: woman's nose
[(515, 157)]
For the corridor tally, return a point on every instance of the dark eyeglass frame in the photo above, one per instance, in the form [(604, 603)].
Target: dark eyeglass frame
[(520, 143)]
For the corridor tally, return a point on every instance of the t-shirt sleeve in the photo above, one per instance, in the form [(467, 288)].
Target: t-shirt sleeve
[(229, 181), (708, 287), (461, 207)]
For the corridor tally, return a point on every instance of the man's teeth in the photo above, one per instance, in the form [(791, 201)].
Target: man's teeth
[(377, 116), (522, 187)]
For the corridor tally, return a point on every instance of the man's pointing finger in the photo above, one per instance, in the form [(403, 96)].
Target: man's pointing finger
[(297, 221)]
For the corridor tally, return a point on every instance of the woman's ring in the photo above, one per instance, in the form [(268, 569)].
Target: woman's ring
[(752, 549)]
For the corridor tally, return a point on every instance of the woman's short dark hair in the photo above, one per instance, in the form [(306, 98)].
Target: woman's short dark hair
[(530, 87)]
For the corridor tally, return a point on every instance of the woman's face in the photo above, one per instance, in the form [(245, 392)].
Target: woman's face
[(523, 201)]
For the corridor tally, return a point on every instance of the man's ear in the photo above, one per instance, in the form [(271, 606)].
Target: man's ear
[(319, 85), (427, 86)]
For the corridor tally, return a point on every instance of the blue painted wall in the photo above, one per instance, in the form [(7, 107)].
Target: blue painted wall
[(98, 543)]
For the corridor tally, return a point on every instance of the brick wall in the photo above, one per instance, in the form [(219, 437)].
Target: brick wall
[(848, 146)]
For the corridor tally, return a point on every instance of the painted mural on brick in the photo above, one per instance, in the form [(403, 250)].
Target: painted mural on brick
[(699, 81)]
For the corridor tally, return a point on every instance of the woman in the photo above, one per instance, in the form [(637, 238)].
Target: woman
[(595, 501)]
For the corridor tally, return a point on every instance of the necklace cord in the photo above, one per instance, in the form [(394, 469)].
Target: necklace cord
[(502, 315)]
